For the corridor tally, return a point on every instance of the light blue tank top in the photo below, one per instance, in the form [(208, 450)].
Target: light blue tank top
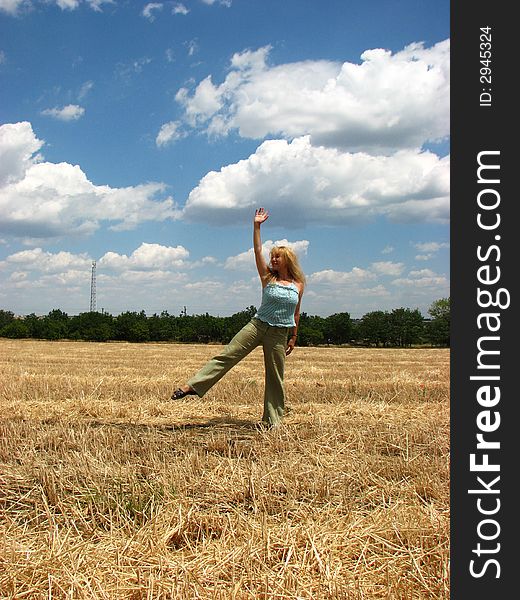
[(278, 304)]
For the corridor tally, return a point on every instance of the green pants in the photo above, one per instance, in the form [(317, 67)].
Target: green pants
[(274, 343)]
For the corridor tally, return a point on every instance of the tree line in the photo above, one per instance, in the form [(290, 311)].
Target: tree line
[(401, 327)]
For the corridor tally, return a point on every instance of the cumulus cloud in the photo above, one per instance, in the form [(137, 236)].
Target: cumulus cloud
[(423, 278), (14, 7), (387, 102), (430, 249), (71, 112), (62, 279), (318, 185), (150, 8), (68, 4), (179, 9), (42, 200), (146, 257), (332, 277), (364, 289), (96, 4), (226, 3), (11, 7), (246, 260), (204, 102), (168, 133), (431, 246), (388, 268), (37, 259), (18, 148)]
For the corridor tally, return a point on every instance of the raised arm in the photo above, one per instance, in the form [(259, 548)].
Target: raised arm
[(261, 215)]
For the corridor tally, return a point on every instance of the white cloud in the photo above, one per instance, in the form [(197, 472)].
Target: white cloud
[(18, 148), (71, 112), (73, 4), (330, 276), (205, 287), (68, 4), (168, 133), (226, 3), (96, 4), (46, 262), (318, 185), (179, 9), (431, 246), (145, 278), (424, 278), (61, 280), (146, 257), (150, 8), (85, 89), (192, 46), (388, 268), (388, 102), (2, 57), (420, 273), (14, 7), (18, 277), (11, 7), (431, 249), (205, 101), (387, 250), (246, 260), (44, 200)]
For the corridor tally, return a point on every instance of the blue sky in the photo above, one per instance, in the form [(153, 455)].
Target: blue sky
[(143, 136)]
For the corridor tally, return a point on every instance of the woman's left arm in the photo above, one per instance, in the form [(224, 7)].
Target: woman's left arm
[(292, 340)]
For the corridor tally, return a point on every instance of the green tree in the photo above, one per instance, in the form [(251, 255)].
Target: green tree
[(208, 328), (132, 327), (310, 330), (16, 329), (375, 328), (6, 317), (162, 327), (55, 325), (35, 325), (338, 328), (92, 326), (438, 329), (406, 326)]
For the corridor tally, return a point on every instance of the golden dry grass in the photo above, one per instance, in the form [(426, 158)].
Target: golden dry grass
[(108, 490)]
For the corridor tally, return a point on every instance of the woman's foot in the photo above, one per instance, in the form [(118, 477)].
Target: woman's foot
[(184, 390)]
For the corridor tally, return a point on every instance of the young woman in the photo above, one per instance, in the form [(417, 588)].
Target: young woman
[(273, 327)]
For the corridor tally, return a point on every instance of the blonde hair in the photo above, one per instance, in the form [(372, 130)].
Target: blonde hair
[(291, 260)]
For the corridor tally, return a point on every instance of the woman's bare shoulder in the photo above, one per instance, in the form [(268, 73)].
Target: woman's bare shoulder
[(300, 286)]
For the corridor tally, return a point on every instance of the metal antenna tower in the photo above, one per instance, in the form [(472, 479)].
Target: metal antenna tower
[(93, 288)]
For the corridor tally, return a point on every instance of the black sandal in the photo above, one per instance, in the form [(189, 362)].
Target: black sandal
[(178, 394)]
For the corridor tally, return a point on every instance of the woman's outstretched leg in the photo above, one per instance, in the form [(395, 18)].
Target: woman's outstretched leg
[(248, 338)]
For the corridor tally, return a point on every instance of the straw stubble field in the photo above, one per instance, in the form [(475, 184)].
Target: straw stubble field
[(109, 490)]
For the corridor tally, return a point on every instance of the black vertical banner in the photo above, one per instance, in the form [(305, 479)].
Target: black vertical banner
[(485, 436)]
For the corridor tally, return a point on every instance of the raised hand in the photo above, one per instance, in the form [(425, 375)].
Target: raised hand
[(261, 215)]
